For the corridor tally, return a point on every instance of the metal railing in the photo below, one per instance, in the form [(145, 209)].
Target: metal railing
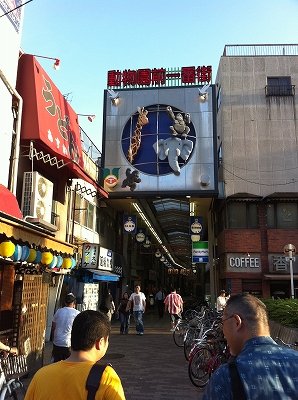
[(89, 147), (280, 90), (248, 50)]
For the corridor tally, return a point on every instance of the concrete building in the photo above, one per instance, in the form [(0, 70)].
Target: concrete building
[(256, 214)]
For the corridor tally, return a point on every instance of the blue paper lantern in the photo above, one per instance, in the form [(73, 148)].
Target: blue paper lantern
[(17, 253), (54, 262), (38, 257), (25, 253), (73, 262), (59, 261)]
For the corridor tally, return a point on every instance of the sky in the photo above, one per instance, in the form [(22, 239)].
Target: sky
[(91, 37)]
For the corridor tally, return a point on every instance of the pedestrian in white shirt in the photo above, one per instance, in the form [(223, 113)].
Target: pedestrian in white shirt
[(61, 328)]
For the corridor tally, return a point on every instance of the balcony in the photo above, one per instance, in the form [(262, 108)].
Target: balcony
[(280, 90)]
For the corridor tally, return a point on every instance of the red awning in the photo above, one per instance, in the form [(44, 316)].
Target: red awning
[(8, 203)]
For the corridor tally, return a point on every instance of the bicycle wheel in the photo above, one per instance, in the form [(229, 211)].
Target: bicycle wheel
[(198, 367), (216, 362), (179, 333), (190, 336), (16, 390)]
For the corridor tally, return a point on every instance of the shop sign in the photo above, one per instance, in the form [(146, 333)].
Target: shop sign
[(13, 11), (90, 255), (159, 77), (244, 262), (200, 252), (105, 259), (47, 116)]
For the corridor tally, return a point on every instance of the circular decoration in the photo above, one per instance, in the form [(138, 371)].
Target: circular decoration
[(59, 261), (7, 248), (47, 258), (111, 181), (54, 262), (25, 253), (32, 256), (151, 156), (17, 253), (38, 257), (67, 263)]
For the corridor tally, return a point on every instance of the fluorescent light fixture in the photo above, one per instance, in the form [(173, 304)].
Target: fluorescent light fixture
[(147, 222)]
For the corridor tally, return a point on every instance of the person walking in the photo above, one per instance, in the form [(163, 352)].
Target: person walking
[(160, 297), (124, 315), (221, 301), (174, 305), (67, 379), (61, 328), (266, 370), (107, 305), (137, 301)]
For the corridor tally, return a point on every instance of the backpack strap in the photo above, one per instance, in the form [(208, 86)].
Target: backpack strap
[(93, 379), (237, 385)]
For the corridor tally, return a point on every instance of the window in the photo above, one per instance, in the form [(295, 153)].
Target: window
[(279, 86), (218, 100), (242, 215), (84, 212), (282, 216)]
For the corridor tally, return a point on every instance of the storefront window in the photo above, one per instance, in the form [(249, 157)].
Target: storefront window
[(282, 216), (243, 215)]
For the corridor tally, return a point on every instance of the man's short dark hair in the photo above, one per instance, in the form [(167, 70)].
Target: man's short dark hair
[(249, 308), (70, 298), (88, 327)]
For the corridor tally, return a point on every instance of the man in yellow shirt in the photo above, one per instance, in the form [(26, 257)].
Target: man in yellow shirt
[(67, 379)]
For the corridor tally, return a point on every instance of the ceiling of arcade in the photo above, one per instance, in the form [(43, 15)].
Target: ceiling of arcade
[(170, 219)]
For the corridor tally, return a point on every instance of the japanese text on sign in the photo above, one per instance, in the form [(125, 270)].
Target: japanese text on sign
[(158, 77)]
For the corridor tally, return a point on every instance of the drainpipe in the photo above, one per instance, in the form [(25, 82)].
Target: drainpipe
[(13, 92)]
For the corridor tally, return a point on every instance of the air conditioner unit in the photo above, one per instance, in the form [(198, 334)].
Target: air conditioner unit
[(37, 196)]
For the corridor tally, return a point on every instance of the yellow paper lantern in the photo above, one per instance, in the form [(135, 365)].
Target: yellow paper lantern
[(7, 249), (67, 263), (47, 258), (32, 256)]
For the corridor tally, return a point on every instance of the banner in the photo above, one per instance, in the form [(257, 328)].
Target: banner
[(196, 226), (200, 252), (141, 235), (129, 224)]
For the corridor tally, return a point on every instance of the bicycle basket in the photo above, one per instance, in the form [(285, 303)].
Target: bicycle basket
[(14, 367)]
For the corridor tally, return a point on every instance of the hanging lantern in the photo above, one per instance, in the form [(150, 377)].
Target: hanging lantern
[(7, 248), (17, 253), (54, 262), (32, 256), (38, 257), (66, 263), (47, 258), (59, 261), (73, 262), (25, 253)]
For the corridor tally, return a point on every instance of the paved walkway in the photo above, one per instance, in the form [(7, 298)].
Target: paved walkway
[(151, 367)]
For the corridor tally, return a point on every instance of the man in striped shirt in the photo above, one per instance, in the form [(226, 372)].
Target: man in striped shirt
[(174, 305)]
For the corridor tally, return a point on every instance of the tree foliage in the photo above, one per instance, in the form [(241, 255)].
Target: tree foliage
[(284, 311)]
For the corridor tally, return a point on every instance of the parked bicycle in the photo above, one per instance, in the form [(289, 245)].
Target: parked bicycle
[(205, 359), (12, 368)]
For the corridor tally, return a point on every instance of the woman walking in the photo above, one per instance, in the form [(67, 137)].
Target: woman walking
[(123, 314)]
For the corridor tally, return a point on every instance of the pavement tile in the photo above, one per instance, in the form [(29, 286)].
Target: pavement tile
[(151, 367)]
